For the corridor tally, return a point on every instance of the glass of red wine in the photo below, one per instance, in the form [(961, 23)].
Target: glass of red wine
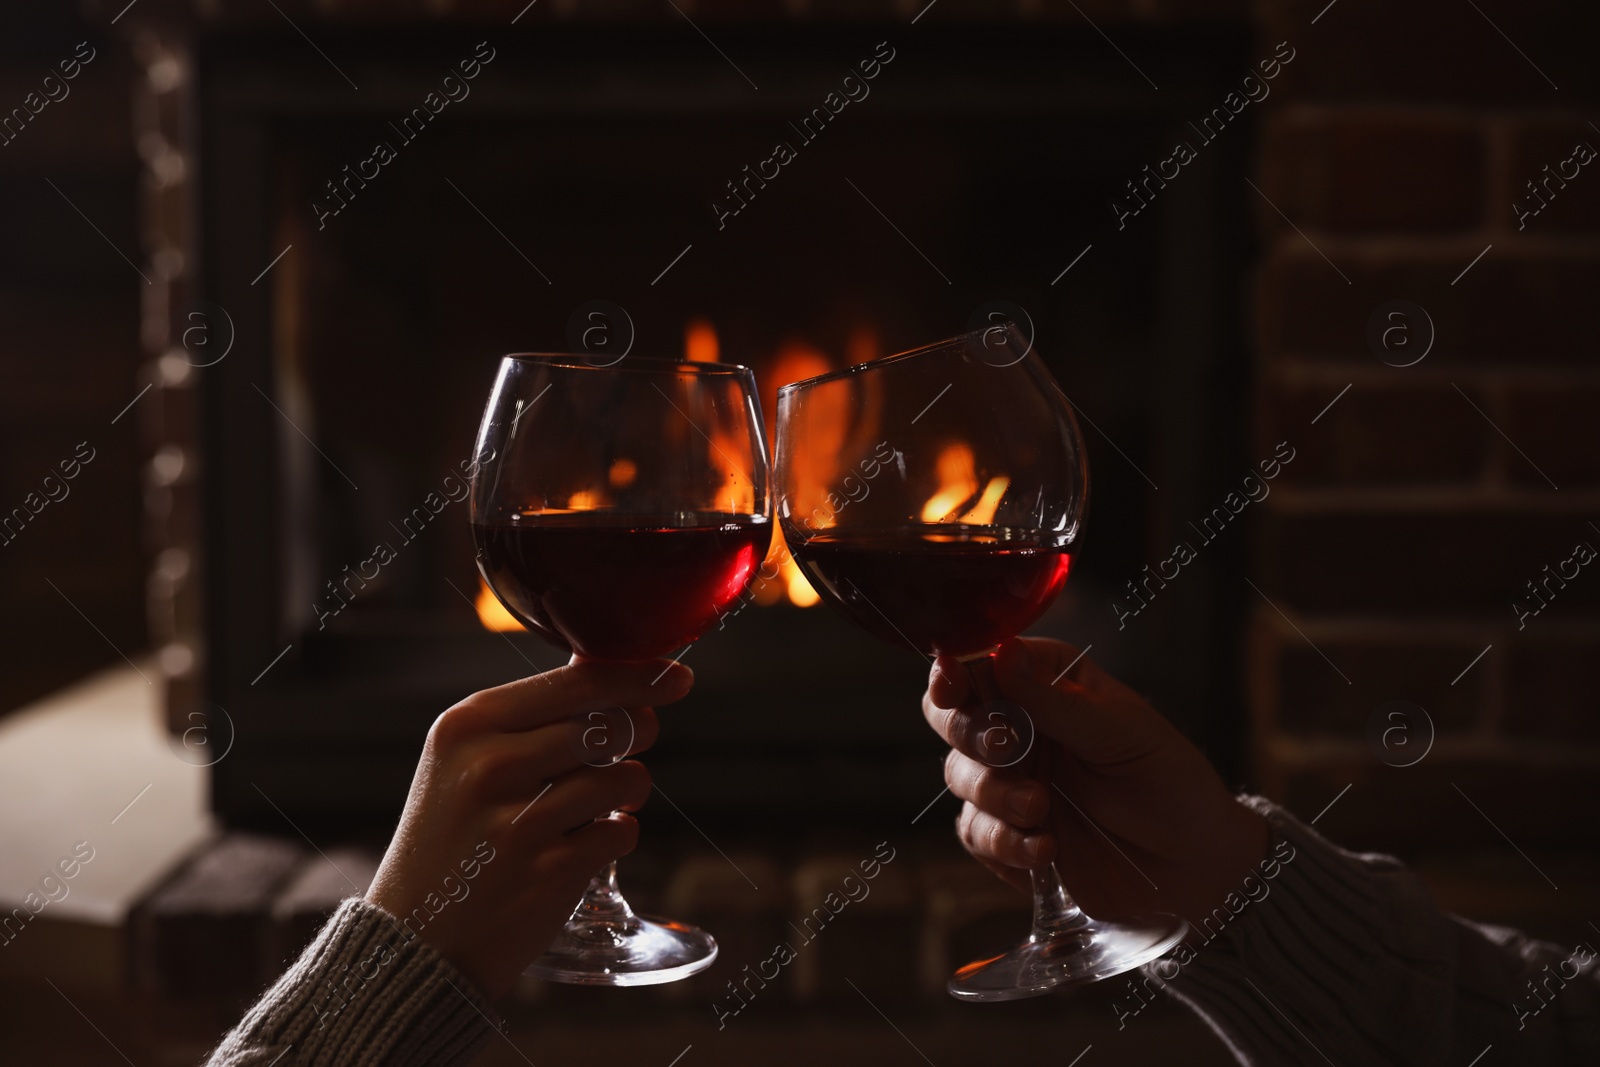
[(935, 498), (619, 511)]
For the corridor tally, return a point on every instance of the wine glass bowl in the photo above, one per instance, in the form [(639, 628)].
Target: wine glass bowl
[(928, 527), (936, 499), (619, 510)]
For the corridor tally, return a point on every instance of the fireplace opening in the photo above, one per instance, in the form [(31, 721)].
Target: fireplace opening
[(603, 165)]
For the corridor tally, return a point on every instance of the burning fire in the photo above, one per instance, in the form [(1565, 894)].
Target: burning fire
[(954, 500), (799, 590), (792, 362), (493, 614), (700, 342)]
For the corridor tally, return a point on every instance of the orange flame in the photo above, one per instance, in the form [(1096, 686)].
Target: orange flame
[(622, 473), (958, 483), (700, 341), (957, 499), (493, 614), (795, 584), (794, 361)]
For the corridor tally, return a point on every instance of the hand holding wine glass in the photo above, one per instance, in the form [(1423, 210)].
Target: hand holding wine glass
[(1139, 821), (619, 511), (505, 823), (959, 547)]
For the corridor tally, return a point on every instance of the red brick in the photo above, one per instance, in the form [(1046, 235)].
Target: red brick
[(1418, 564), (1510, 307), (1374, 170), (1378, 435), (1553, 689), (1554, 425), (1570, 204), (1315, 700)]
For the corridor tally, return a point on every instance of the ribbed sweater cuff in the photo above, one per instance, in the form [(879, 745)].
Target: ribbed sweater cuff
[(1302, 959), (364, 993)]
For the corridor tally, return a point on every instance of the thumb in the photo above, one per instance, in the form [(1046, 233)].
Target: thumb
[(1065, 711)]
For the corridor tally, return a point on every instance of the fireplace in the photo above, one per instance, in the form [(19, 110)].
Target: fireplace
[(372, 252)]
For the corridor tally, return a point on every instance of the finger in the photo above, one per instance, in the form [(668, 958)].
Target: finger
[(502, 766), (946, 721), (1053, 659), (948, 682), (582, 687), (989, 838), (582, 796), (1021, 881), (1060, 708), (597, 843), (1060, 662), (599, 738), (1003, 794), (997, 734)]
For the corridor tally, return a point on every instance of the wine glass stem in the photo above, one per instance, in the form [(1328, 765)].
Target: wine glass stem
[(602, 901), (1053, 910)]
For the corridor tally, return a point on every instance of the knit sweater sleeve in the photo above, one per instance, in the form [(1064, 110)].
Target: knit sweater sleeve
[(1330, 956), (364, 993)]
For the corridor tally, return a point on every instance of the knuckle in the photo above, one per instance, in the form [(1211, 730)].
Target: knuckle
[(473, 776), (455, 723), (952, 768), (502, 831), (964, 825), (950, 724), (992, 836)]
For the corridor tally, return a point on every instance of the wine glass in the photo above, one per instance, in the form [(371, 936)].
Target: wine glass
[(619, 511), (935, 498)]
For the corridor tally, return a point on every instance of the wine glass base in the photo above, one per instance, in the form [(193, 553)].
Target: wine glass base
[(1090, 951), (631, 952)]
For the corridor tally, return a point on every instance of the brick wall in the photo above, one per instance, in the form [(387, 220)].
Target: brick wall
[(71, 570), (1426, 496)]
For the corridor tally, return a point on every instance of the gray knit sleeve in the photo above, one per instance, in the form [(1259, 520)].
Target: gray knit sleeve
[(364, 993), (1327, 956)]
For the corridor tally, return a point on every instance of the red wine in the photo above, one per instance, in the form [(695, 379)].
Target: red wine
[(938, 588), (616, 587)]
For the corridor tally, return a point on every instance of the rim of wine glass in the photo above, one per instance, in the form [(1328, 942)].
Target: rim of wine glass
[(568, 361), (874, 364)]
